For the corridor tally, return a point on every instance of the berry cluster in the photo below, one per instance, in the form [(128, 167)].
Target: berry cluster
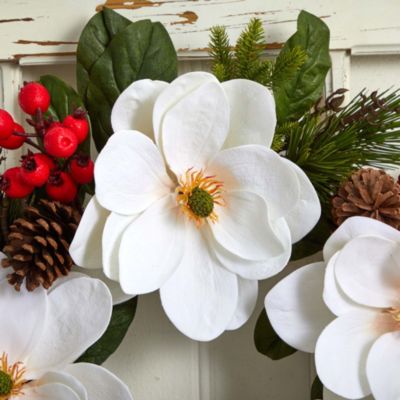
[(56, 165)]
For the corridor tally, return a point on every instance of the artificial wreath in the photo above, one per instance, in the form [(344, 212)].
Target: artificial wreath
[(204, 184)]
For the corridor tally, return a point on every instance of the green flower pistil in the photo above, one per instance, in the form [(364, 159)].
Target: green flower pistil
[(11, 378), (201, 202), (197, 195), (6, 384)]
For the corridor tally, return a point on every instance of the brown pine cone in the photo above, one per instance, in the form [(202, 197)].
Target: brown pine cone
[(37, 244), (371, 193)]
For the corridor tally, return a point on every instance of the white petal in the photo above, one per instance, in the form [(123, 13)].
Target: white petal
[(51, 391), (99, 383), (247, 299), (152, 247), (201, 297), (243, 227), (76, 272), (295, 307), (195, 128), (368, 271), (65, 379), (383, 367), (134, 107), (118, 296), (257, 169), (130, 173), (78, 314), (253, 116), (114, 228), (336, 300), (179, 88), (258, 270), (307, 211), (342, 350), (21, 316), (354, 227), (85, 248)]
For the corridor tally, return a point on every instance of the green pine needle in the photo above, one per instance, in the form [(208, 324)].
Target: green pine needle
[(245, 61), (220, 51), (249, 49), (330, 145), (287, 64)]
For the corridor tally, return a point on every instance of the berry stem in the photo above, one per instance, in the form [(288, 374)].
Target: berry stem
[(27, 135), (33, 144), (5, 205)]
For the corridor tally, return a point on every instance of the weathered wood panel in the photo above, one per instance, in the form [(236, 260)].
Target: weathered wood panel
[(49, 27)]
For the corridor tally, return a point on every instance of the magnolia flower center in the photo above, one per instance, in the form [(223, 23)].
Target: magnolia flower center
[(11, 378), (197, 195)]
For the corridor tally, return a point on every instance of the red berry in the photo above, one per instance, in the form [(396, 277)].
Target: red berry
[(6, 124), (82, 169), (79, 124), (61, 187), (34, 96), (12, 184), (54, 124), (14, 141), (60, 142), (34, 171), (46, 159)]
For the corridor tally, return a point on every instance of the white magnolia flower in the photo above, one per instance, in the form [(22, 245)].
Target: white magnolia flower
[(42, 333), (347, 310), (190, 200)]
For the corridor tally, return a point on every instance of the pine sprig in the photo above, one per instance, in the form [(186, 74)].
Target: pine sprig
[(249, 49), (220, 51), (287, 64), (245, 60), (331, 143)]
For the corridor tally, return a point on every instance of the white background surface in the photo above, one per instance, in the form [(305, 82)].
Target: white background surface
[(155, 360)]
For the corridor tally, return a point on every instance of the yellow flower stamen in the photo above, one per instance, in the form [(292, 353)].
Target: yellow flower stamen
[(197, 195), (11, 378)]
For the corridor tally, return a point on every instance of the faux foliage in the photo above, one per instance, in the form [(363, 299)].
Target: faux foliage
[(246, 59), (316, 389), (267, 340), (330, 143), (295, 93), (113, 53), (122, 317)]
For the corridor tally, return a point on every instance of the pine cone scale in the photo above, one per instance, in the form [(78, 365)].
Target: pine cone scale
[(371, 193), (38, 244)]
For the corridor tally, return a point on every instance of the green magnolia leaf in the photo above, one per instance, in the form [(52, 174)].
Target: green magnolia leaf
[(64, 101), (268, 342), (317, 390), (314, 241), (93, 42), (121, 319), (296, 95), (139, 50)]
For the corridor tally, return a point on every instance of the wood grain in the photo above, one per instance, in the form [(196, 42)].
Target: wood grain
[(56, 24)]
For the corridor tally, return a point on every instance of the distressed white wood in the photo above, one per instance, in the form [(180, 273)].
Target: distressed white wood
[(374, 73), (11, 80), (49, 27), (340, 72)]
